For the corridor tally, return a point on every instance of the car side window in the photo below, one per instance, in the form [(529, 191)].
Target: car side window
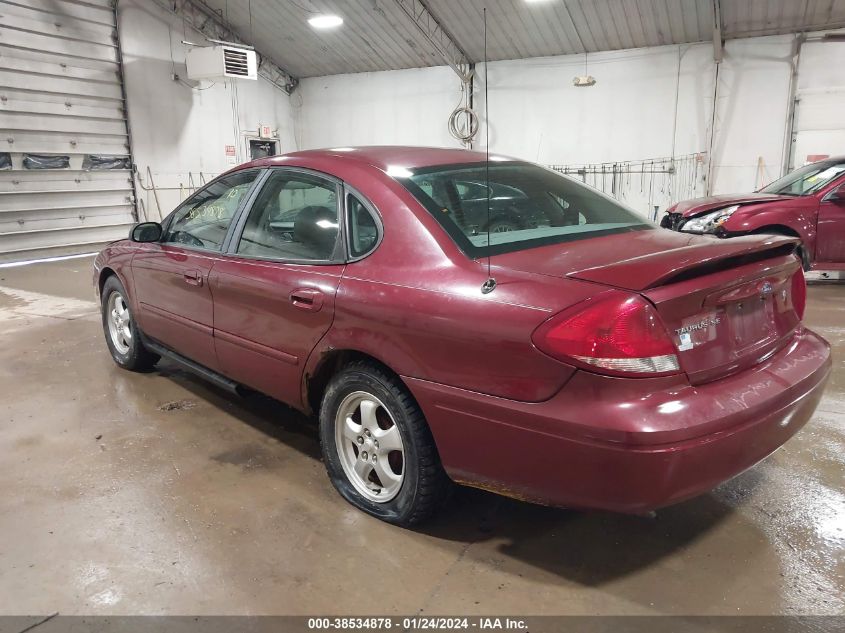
[(363, 228), (294, 217), (203, 220)]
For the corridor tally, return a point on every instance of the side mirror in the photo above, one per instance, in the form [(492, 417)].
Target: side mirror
[(146, 232), (837, 195)]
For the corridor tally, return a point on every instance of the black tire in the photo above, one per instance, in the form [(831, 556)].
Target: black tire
[(425, 486), (136, 357), (805, 258), (802, 253)]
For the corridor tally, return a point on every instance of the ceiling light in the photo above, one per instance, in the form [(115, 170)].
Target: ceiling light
[(324, 21), (586, 80)]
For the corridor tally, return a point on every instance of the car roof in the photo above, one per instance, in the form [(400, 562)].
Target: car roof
[(382, 156), (832, 160)]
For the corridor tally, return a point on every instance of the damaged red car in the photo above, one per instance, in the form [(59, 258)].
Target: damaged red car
[(808, 203), (557, 347)]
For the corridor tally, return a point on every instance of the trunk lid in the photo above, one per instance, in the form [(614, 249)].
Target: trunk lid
[(726, 308)]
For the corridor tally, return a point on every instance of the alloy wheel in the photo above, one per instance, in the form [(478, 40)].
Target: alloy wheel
[(119, 322), (370, 446)]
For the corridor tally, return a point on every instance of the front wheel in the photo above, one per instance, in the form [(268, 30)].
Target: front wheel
[(377, 447), (805, 258), (122, 335)]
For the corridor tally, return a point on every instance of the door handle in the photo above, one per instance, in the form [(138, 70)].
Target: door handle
[(193, 278), (307, 299)]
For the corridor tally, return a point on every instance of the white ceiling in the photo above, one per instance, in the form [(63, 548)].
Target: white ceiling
[(378, 35)]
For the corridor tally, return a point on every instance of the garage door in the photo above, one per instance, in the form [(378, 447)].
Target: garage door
[(65, 182), (819, 122)]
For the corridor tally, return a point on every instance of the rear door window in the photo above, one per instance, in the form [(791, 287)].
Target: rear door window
[(363, 227), (294, 217)]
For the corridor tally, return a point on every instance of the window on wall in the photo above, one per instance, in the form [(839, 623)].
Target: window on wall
[(203, 220), (295, 217)]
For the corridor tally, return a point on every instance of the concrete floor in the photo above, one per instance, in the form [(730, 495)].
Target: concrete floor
[(125, 493)]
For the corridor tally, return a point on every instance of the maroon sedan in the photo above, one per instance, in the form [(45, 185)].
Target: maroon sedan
[(808, 203), (581, 358)]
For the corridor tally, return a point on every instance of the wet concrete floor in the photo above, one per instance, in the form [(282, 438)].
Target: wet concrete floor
[(156, 493)]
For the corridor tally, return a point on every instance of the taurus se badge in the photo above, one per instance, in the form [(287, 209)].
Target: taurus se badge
[(685, 332), (701, 325)]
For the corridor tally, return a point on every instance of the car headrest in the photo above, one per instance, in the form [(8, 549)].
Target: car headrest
[(316, 226)]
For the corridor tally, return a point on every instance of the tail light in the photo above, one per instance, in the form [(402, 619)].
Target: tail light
[(615, 333), (799, 293)]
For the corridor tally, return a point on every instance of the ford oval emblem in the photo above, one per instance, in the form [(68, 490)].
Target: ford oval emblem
[(766, 289)]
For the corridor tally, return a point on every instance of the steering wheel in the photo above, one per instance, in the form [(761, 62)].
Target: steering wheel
[(183, 237)]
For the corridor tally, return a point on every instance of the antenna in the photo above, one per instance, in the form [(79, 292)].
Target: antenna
[(490, 285)]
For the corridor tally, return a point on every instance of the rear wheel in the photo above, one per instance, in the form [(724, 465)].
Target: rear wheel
[(377, 447), (121, 331)]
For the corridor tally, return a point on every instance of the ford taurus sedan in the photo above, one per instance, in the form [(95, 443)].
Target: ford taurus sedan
[(583, 358), (808, 203)]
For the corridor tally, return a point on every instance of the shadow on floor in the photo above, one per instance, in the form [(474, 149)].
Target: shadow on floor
[(590, 548)]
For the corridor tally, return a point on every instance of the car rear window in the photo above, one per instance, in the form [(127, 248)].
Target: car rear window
[(529, 206)]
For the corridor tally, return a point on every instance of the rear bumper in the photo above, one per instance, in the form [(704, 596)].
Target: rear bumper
[(622, 444)]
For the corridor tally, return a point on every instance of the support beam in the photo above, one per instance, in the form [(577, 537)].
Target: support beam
[(718, 38), (201, 17), (438, 37), (792, 103)]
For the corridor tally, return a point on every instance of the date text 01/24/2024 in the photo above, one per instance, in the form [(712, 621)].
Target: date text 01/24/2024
[(417, 623)]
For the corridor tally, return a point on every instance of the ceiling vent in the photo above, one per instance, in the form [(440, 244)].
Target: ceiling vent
[(221, 62)]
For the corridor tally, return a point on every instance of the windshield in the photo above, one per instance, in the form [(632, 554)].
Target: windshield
[(806, 180), (529, 206)]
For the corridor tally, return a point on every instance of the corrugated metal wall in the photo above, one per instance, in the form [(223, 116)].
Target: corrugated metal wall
[(61, 96), (819, 128)]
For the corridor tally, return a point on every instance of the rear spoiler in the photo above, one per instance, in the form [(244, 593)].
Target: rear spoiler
[(678, 264)]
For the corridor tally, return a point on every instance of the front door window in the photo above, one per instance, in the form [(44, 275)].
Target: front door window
[(203, 220)]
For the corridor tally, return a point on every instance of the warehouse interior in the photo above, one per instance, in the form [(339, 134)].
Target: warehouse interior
[(159, 494)]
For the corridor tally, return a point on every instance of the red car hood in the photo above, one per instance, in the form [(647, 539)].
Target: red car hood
[(697, 206), (636, 261)]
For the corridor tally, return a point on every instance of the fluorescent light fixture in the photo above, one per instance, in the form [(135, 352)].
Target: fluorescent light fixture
[(396, 171), (326, 224), (342, 149), (499, 159), (324, 21)]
